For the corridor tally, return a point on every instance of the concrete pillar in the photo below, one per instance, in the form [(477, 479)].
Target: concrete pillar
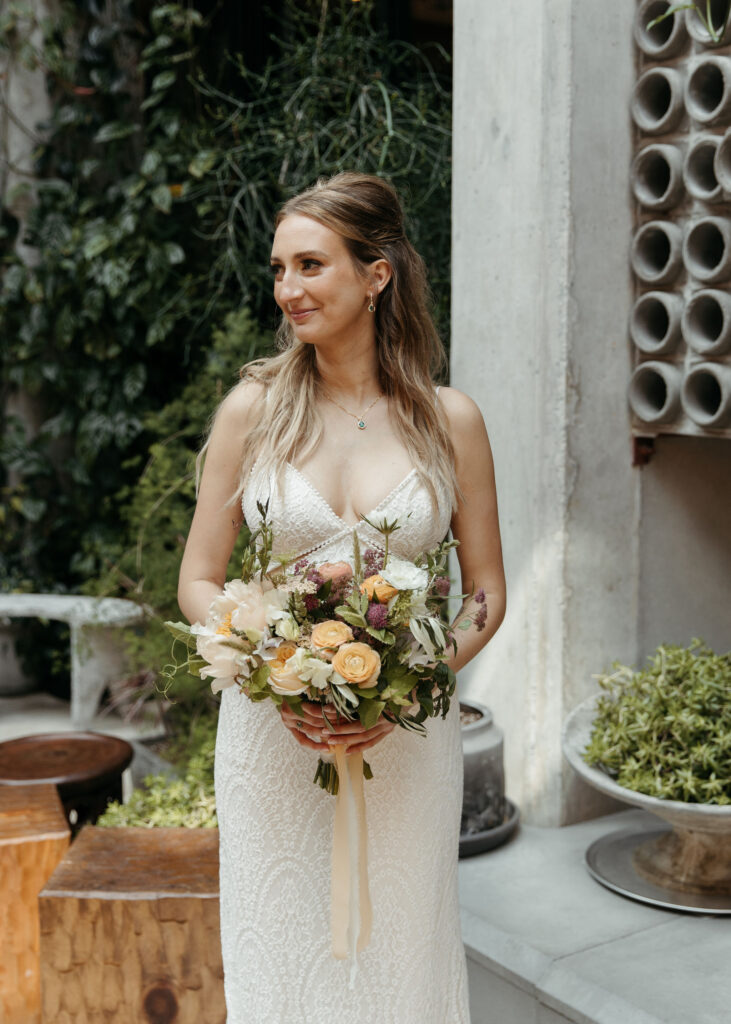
[(542, 222)]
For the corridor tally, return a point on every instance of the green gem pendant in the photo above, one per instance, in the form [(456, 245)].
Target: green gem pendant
[(361, 424)]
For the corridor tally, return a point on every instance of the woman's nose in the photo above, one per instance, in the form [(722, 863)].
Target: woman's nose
[(289, 286)]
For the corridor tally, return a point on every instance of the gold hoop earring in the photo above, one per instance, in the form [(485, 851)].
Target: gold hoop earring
[(371, 307)]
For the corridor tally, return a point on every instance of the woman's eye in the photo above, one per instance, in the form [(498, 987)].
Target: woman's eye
[(275, 268), (310, 264)]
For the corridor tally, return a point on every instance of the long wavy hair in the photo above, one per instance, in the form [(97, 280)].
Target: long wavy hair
[(365, 211)]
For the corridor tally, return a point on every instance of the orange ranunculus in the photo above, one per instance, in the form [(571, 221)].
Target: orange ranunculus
[(357, 663), (376, 588), (284, 653), (330, 634)]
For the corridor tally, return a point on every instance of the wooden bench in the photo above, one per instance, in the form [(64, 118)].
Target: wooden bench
[(34, 836), (96, 655), (130, 929)]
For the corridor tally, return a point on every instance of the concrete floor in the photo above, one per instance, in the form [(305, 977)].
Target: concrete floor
[(40, 712), (547, 944)]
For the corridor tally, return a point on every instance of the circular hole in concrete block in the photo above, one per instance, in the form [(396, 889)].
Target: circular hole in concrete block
[(700, 175), (653, 392), (707, 322), (663, 39), (697, 28), (648, 393), (702, 396), (656, 252), (722, 162), (654, 324), (706, 252), (653, 176), (654, 97), (706, 91)]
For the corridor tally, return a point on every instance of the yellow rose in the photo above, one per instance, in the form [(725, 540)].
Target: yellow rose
[(285, 677), (357, 663), (284, 653), (330, 634), (375, 587)]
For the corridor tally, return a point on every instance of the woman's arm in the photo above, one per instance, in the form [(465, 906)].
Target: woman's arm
[(475, 524), (215, 524)]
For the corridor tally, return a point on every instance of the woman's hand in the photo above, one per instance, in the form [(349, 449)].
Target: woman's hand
[(310, 731)]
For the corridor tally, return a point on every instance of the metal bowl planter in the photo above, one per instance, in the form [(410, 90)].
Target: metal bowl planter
[(488, 817), (684, 867)]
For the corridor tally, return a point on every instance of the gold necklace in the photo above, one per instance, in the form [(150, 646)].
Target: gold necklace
[(360, 420)]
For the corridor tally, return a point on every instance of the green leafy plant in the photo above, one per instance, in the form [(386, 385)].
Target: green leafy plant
[(666, 730), (155, 512), (337, 95), (188, 800), (99, 327)]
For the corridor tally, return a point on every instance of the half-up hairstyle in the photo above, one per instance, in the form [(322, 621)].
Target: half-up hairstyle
[(365, 211)]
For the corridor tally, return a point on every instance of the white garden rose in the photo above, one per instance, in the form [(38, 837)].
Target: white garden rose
[(250, 606), (228, 656), (287, 677), (405, 575), (317, 672), (285, 624)]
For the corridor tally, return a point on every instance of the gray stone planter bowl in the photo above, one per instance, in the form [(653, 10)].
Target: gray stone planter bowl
[(695, 856)]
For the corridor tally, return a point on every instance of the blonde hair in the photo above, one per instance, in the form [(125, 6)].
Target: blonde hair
[(365, 211)]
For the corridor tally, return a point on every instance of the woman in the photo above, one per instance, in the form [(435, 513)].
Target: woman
[(344, 421)]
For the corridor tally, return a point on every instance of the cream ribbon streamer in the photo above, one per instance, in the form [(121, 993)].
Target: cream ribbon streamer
[(351, 912)]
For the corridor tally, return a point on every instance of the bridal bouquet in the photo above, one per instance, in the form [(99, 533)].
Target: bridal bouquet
[(362, 640)]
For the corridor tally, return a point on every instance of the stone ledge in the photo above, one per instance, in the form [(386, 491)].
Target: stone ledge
[(550, 944)]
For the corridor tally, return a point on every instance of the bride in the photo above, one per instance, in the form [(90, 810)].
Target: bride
[(344, 421)]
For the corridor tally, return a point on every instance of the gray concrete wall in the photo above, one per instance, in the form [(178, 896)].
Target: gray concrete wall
[(541, 298)]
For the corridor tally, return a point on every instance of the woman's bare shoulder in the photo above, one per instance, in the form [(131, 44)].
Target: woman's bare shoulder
[(241, 405), (463, 412)]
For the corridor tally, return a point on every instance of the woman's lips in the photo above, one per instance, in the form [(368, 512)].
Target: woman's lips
[(301, 314)]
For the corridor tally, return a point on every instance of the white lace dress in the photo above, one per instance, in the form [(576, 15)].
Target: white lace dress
[(276, 829)]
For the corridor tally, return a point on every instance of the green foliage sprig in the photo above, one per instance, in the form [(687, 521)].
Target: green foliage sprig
[(706, 18), (666, 730)]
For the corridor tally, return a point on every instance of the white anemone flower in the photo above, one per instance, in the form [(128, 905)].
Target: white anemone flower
[(405, 575)]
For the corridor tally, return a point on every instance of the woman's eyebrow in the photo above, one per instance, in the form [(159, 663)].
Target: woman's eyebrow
[(300, 255)]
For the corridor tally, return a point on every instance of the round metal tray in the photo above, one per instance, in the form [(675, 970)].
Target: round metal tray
[(610, 861), (480, 842)]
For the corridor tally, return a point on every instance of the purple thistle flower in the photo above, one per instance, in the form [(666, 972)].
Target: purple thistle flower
[(481, 617), (314, 577), (480, 596), (442, 585), (311, 602), (377, 615), (372, 561)]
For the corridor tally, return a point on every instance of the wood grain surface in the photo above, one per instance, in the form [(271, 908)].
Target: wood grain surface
[(34, 836), (130, 929)]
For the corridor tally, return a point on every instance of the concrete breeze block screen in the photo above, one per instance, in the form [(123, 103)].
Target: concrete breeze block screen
[(681, 250)]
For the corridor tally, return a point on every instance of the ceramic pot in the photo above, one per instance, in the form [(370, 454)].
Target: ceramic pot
[(695, 856), (483, 803)]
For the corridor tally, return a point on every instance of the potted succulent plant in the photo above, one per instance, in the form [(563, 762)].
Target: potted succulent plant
[(660, 739)]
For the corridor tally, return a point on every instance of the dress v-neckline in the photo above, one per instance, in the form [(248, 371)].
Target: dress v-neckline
[(331, 510)]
